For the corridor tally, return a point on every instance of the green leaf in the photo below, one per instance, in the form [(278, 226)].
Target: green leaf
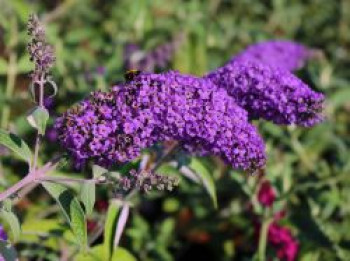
[(88, 196), (38, 118), (71, 210), (7, 251), (16, 144), (94, 254), (98, 171), (109, 231), (206, 179), (121, 254), (12, 220)]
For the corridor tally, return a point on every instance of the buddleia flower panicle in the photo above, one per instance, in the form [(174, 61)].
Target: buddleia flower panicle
[(115, 126), (282, 54), (270, 93), (145, 181), (41, 53)]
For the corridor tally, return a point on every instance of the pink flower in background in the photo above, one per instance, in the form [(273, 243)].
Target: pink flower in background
[(266, 194), (282, 239)]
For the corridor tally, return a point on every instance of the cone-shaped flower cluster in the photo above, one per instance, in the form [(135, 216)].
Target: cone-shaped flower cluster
[(269, 93), (282, 54), (115, 126), (41, 53)]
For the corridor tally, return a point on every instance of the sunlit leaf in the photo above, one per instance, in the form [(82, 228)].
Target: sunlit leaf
[(88, 196), (109, 230), (16, 144), (13, 221), (206, 178), (121, 254), (38, 118), (72, 210)]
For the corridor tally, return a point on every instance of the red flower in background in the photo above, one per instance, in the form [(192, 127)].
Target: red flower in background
[(281, 238), (278, 236), (266, 194)]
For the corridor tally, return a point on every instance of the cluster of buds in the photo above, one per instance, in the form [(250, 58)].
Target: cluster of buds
[(145, 181), (41, 53)]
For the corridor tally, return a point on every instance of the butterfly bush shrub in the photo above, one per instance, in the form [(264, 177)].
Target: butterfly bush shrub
[(209, 115)]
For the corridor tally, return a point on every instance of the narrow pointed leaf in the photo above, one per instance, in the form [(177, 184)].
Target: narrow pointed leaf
[(110, 227), (72, 210), (206, 179), (16, 144), (12, 220), (88, 196)]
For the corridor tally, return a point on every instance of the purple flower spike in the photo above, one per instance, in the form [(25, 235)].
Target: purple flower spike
[(270, 93), (114, 127), (282, 54)]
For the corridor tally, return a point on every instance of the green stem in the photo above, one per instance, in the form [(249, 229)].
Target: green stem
[(263, 238), (41, 82)]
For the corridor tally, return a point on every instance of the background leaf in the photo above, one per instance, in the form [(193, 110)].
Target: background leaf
[(7, 251), (13, 221), (71, 210)]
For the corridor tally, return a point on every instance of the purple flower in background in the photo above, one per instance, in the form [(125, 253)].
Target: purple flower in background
[(49, 103), (282, 54), (270, 93), (51, 134), (159, 57), (3, 234), (101, 70), (153, 108)]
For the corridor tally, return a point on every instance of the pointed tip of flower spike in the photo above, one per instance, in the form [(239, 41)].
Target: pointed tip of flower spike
[(270, 93), (283, 54)]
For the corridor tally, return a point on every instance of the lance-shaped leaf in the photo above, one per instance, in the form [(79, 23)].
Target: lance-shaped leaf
[(110, 227), (12, 220), (88, 196), (206, 179), (16, 144), (71, 210)]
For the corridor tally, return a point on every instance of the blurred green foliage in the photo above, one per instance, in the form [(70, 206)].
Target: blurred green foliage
[(310, 168)]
